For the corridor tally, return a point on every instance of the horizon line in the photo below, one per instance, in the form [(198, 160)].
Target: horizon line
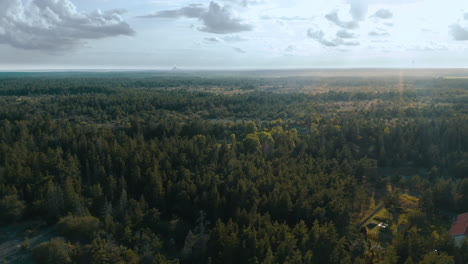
[(194, 69)]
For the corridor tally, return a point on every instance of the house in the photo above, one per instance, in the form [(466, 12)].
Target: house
[(459, 228)]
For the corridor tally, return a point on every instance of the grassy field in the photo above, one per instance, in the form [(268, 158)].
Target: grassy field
[(17, 240)]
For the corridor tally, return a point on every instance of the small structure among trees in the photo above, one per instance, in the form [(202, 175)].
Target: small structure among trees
[(459, 228)]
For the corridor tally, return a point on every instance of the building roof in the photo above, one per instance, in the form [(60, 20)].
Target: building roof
[(460, 227)]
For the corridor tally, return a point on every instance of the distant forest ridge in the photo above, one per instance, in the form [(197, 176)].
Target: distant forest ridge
[(317, 72)]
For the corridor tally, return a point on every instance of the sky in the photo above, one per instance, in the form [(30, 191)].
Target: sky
[(232, 34)]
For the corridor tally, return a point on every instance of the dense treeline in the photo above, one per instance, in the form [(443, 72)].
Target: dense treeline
[(166, 176)]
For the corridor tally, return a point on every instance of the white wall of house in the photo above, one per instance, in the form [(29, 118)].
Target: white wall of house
[(458, 239)]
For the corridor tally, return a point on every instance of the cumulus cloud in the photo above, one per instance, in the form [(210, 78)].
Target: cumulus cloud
[(55, 24), (215, 19), (345, 34), (333, 17), (458, 32), (358, 9), (320, 37), (383, 14)]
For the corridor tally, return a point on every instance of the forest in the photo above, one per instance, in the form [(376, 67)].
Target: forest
[(199, 168)]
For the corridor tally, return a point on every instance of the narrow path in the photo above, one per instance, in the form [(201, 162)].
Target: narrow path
[(381, 205)]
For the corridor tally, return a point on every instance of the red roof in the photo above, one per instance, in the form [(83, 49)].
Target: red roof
[(460, 227)]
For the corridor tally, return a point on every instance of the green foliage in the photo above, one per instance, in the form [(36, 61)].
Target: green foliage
[(78, 228), (104, 252), (56, 251), (147, 169), (437, 258), (11, 208)]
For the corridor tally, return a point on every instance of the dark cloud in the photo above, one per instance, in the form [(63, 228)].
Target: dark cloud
[(55, 25), (239, 50), (215, 19), (333, 17), (383, 14), (319, 36), (459, 33), (345, 34)]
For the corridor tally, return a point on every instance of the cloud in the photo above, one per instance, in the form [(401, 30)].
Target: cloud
[(234, 38), (383, 14), (215, 19), (333, 17), (238, 2), (285, 18), (239, 50), (212, 40), (290, 48), (245, 3), (378, 33), (319, 36), (358, 9), (345, 34), (459, 33), (55, 25), (192, 11)]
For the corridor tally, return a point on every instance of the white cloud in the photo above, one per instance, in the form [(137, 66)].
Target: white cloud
[(333, 17), (458, 32), (55, 24), (345, 34), (383, 14), (215, 19), (378, 33), (234, 38), (358, 9), (320, 37)]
